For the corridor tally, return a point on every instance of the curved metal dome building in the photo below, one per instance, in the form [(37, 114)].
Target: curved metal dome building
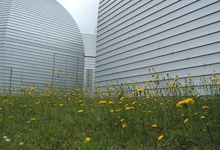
[(35, 36)]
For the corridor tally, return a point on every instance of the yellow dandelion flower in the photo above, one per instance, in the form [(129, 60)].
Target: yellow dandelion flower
[(10, 117), (139, 89), (52, 69), (213, 79), (32, 88), (112, 111), (195, 113), (87, 139), (22, 88), (154, 125), (37, 103), (124, 125), (110, 103), (149, 111), (129, 108), (205, 107), (176, 78), (28, 121), (167, 73), (61, 105), (102, 102), (80, 111), (122, 98), (117, 110), (160, 137), (33, 119), (202, 117), (186, 120), (60, 70), (122, 120), (185, 102), (79, 73)]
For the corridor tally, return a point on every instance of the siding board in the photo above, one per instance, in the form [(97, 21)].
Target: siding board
[(40, 34), (4, 13), (90, 59), (130, 51), (163, 22), (174, 36)]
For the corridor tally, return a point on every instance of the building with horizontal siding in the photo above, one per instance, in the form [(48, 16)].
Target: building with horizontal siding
[(35, 36), (175, 36), (90, 57)]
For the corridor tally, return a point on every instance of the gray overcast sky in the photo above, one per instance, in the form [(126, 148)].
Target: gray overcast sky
[(84, 13)]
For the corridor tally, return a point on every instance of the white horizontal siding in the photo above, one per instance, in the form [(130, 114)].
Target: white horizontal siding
[(162, 59), (159, 56), (90, 64), (157, 33), (171, 36), (90, 55), (107, 5), (153, 50), (210, 31), (132, 8), (172, 65), (159, 16), (4, 12), (157, 27), (180, 72), (89, 44), (40, 35)]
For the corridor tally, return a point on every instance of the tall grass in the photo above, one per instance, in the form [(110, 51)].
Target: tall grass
[(165, 114)]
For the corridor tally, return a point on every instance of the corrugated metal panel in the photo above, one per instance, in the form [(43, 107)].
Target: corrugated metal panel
[(89, 44), (171, 36), (4, 12), (90, 64), (40, 35), (90, 54)]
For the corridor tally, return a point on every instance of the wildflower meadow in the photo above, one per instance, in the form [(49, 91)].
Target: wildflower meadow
[(168, 113)]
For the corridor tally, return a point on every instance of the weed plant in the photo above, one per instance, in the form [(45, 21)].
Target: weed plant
[(165, 114)]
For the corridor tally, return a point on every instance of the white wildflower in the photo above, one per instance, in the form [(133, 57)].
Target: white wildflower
[(7, 140)]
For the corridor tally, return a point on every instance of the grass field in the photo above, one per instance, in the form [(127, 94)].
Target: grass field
[(142, 119)]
